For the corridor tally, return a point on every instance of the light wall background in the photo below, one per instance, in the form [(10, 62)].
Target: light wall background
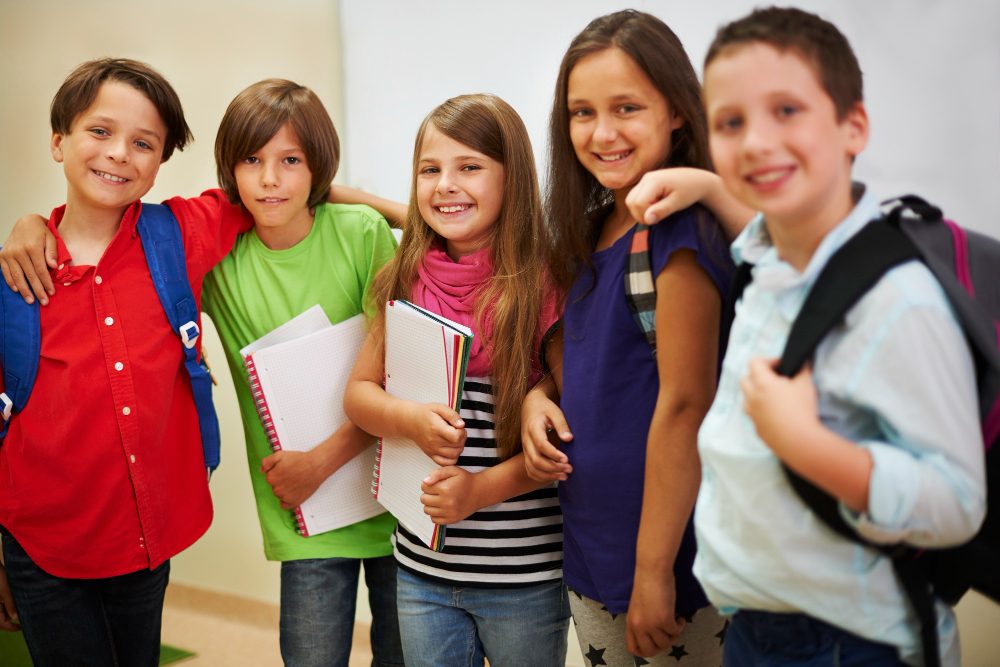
[(932, 72)]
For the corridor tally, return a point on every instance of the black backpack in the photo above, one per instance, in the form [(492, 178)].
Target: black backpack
[(967, 265)]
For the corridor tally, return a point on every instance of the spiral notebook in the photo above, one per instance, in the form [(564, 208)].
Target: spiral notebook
[(425, 360), (297, 376)]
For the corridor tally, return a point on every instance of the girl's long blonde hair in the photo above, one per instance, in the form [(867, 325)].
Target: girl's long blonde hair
[(514, 294)]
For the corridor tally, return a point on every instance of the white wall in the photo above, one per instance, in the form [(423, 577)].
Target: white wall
[(932, 81), (209, 50)]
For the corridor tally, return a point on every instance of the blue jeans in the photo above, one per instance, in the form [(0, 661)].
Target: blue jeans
[(318, 598), (763, 639), (454, 626), (98, 622)]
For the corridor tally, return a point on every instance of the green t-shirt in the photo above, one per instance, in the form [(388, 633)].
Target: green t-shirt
[(255, 289)]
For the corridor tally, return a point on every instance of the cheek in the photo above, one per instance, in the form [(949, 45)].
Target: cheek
[(579, 136), (425, 191)]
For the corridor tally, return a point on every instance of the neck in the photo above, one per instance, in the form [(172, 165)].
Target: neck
[(618, 222), (796, 241), (283, 237), (88, 231)]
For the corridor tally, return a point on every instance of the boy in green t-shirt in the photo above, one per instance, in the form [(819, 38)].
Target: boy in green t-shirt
[(277, 152)]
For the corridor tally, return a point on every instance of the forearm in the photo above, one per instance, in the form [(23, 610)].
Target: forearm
[(393, 211), (729, 211), (830, 461), (671, 480), (508, 479), (374, 411), (346, 442)]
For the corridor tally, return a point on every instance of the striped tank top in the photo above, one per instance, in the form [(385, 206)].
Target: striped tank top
[(517, 542)]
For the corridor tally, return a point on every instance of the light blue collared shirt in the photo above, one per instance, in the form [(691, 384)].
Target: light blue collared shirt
[(897, 378)]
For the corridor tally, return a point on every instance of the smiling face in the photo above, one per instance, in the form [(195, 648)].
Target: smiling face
[(619, 123), (274, 185), (112, 151), (459, 191), (775, 137)]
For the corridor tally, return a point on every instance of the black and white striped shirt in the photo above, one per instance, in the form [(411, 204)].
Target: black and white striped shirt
[(517, 542)]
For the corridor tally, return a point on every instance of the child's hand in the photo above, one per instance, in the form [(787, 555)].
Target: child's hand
[(28, 253), (664, 191), (8, 613), (438, 430), (782, 409), (293, 476), (449, 495), (650, 625), (540, 417)]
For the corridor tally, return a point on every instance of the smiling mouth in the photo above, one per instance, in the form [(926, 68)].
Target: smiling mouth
[(456, 208), (272, 200), (111, 178), (769, 176), (613, 157)]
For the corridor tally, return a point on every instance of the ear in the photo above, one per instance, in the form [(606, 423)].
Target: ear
[(855, 125), (676, 122), (56, 147)]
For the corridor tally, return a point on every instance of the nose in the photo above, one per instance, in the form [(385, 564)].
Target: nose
[(605, 129), (269, 174), (445, 183), (117, 150), (757, 137)]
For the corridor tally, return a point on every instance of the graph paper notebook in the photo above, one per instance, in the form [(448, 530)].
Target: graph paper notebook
[(425, 360), (298, 386)]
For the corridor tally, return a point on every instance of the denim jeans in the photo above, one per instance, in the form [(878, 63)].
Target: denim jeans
[(763, 639), (93, 622), (317, 611), (454, 626)]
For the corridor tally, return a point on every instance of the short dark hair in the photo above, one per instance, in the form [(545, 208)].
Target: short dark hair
[(256, 115), (818, 41), (80, 89)]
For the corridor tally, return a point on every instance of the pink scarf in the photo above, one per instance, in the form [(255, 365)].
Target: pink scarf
[(450, 288)]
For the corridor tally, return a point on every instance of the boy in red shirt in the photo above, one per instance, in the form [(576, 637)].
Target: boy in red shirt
[(102, 477)]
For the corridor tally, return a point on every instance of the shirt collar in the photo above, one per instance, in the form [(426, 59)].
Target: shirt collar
[(66, 272), (754, 243)]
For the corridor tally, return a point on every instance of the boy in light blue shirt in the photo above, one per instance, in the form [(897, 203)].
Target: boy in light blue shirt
[(885, 420)]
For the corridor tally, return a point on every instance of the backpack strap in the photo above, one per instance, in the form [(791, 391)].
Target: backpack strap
[(853, 270), (640, 284), (164, 249), (20, 346)]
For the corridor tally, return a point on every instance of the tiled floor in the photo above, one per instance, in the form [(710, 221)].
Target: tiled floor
[(225, 631)]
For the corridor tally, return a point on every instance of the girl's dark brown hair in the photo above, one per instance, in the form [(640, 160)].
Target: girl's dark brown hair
[(80, 89), (513, 295), (256, 115), (575, 202)]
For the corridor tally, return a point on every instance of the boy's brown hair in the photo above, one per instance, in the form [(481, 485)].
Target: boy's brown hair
[(80, 88), (256, 115), (818, 41)]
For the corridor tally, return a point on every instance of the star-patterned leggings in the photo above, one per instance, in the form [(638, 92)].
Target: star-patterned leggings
[(602, 638)]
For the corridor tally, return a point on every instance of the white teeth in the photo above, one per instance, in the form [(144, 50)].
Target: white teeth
[(111, 177), (452, 209), (769, 177), (613, 157)]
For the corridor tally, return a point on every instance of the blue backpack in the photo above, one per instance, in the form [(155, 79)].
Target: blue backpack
[(20, 332)]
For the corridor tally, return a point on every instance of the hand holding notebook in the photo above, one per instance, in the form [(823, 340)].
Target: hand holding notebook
[(425, 360)]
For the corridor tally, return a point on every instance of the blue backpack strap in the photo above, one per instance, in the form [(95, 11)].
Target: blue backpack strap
[(161, 241), (20, 345)]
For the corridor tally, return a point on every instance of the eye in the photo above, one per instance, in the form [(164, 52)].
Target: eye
[(726, 124), (291, 159), (99, 132), (628, 108), (251, 159), (144, 145), (787, 110), (428, 171), (581, 113), (471, 167)]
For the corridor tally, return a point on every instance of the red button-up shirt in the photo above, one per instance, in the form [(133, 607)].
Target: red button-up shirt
[(102, 472)]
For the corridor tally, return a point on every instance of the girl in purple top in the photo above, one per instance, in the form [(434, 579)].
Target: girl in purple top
[(627, 102)]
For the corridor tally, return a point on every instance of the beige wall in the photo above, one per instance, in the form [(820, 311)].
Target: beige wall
[(209, 50)]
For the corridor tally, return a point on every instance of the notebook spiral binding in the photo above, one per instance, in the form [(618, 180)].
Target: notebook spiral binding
[(376, 469), (260, 402)]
